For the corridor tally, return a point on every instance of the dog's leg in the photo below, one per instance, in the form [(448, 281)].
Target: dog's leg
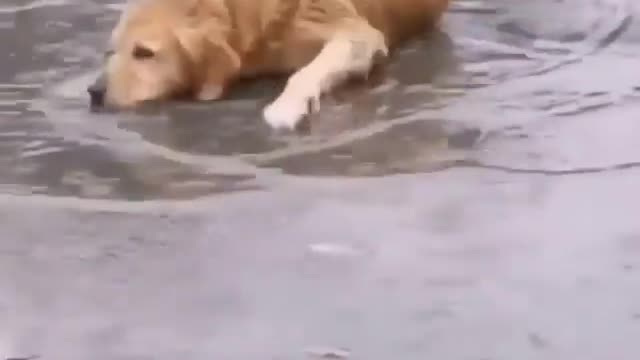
[(352, 50)]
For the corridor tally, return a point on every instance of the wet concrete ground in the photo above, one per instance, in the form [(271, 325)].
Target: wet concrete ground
[(479, 201)]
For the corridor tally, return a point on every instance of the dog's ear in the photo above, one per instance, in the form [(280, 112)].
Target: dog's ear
[(212, 61)]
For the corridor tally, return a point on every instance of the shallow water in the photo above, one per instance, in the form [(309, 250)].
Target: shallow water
[(499, 74), (478, 202)]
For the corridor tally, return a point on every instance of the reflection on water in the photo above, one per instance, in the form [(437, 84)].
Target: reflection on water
[(501, 70)]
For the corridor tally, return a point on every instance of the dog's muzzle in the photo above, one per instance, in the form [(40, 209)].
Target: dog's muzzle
[(97, 91)]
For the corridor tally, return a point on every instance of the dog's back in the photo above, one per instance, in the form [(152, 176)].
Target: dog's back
[(401, 19)]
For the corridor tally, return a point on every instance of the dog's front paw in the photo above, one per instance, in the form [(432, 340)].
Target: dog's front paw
[(288, 111)]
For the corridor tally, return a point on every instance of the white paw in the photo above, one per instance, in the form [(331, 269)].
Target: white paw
[(288, 110)]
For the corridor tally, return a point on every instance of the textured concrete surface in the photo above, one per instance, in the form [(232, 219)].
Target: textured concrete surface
[(464, 265)]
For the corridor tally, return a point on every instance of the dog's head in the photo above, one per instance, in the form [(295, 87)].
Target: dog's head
[(163, 49)]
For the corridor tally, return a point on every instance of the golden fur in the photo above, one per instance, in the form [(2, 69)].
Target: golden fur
[(162, 49)]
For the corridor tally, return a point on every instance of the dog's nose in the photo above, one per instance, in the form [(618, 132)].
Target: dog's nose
[(96, 92)]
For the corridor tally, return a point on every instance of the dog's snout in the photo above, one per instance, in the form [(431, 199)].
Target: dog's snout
[(97, 92)]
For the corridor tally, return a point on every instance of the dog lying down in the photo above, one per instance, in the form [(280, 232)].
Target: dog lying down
[(163, 49)]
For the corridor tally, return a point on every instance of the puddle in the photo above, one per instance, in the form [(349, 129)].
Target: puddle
[(498, 88)]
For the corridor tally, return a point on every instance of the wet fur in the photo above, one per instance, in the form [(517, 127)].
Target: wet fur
[(198, 48)]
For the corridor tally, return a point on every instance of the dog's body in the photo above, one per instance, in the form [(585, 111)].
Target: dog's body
[(167, 48)]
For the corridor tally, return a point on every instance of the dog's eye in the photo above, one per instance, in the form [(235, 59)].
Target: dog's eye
[(141, 52)]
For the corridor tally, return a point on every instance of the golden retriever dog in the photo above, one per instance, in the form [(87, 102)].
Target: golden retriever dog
[(163, 49)]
